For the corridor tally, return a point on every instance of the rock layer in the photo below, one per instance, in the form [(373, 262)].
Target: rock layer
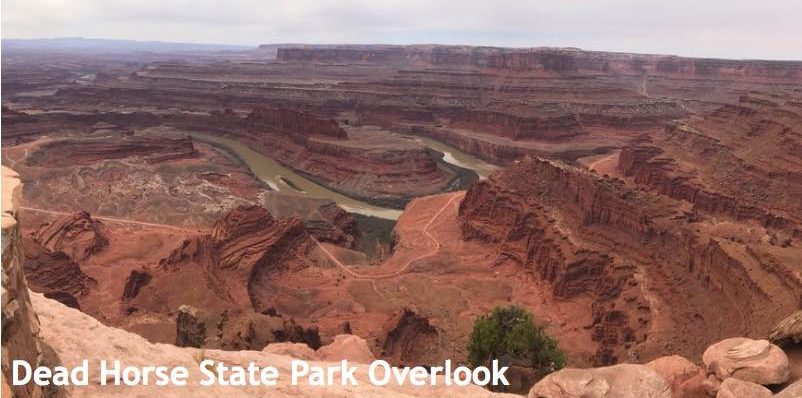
[(320, 150), (50, 272), (736, 183), (244, 249), (556, 60), (619, 381), (692, 237), (512, 211), (78, 235), (80, 152), (598, 238)]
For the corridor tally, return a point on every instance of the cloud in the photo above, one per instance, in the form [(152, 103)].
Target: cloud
[(734, 29)]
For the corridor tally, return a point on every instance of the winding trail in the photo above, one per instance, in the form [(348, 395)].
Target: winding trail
[(112, 219), (406, 265), (14, 161)]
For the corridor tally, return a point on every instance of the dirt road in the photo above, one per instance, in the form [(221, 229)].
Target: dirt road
[(117, 220), (406, 265)]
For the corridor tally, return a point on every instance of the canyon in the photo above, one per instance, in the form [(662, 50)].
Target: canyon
[(640, 206)]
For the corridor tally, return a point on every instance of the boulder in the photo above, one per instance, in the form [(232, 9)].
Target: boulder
[(757, 361), (66, 330), (683, 376), (792, 391), (295, 350), (734, 388), (346, 346), (711, 385), (619, 381)]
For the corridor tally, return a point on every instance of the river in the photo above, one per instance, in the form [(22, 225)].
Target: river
[(283, 179), (457, 157)]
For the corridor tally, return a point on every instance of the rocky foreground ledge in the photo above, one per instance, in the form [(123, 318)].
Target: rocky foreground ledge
[(45, 332), (20, 324), (733, 368), (76, 336)]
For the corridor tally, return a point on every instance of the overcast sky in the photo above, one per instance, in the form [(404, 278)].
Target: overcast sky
[(770, 29)]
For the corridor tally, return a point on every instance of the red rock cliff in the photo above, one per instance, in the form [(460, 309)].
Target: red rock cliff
[(593, 237), (740, 161), (297, 125), (548, 60), (79, 235), (245, 246)]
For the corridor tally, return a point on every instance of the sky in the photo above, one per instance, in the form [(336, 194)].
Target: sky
[(765, 29)]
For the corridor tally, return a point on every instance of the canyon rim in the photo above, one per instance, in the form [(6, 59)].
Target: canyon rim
[(275, 206)]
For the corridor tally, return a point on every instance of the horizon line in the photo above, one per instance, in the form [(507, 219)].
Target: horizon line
[(301, 43)]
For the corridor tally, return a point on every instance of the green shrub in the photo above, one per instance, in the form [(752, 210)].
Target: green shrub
[(511, 336)]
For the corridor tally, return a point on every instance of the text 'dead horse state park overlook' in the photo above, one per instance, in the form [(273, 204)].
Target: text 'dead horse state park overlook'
[(369, 199)]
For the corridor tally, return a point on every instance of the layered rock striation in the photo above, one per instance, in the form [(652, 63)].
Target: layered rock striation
[(516, 211), (225, 273), (55, 273), (741, 161), (244, 246), (82, 152), (631, 253), (552, 60), (320, 150), (78, 235)]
